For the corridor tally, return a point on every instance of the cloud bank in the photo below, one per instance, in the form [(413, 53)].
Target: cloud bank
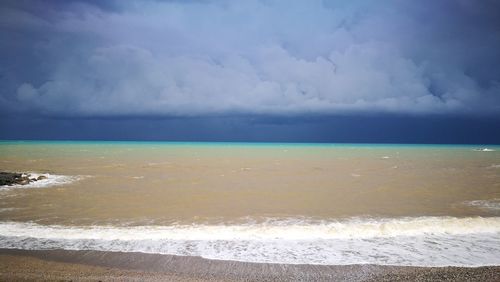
[(195, 58)]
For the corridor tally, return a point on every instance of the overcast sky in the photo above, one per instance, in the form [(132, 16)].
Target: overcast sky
[(295, 62)]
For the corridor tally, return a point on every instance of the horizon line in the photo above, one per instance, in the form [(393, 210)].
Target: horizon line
[(243, 142)]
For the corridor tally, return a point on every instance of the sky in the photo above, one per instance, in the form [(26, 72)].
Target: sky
[(284, 71)]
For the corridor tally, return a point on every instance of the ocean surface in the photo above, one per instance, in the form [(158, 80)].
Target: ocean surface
[(421, 205)]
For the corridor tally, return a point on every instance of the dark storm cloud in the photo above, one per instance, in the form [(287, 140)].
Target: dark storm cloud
[(197, 58), (346, 129)]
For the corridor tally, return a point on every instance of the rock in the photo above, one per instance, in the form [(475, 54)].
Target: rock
[(41, 177), (12, 178), (24, 181), (9, 178), (33, 179)]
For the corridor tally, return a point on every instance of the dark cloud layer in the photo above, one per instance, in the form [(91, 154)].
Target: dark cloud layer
[(346, 129), (285, 58)]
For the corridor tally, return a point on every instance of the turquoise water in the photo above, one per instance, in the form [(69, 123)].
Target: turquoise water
[(265, 144)]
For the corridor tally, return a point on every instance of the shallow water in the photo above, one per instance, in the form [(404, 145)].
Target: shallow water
[(258, 202)]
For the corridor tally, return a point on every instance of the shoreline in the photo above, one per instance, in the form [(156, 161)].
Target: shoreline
[(67, 265)]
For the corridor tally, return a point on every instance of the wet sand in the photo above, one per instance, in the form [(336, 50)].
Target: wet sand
[(22, 265)]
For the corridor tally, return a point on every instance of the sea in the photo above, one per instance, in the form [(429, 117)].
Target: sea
[(328, 204)]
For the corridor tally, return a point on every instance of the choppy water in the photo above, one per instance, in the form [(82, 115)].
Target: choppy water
[(289, 203)]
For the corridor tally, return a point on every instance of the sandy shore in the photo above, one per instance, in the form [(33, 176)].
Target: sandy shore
[(21, 265)]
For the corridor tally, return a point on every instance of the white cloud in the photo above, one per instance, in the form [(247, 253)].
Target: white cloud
[(254, 57)]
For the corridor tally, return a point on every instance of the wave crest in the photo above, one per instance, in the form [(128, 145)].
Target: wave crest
[(286, 229), (425, 241)]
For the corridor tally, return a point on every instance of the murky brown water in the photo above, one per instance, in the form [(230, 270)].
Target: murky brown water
[(161, 183)]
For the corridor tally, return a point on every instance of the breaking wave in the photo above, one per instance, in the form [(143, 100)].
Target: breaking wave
[(419, 241), (484, 150)]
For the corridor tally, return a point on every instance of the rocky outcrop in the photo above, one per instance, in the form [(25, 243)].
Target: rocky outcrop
[(41, 177), (13, 178), (8, 178)]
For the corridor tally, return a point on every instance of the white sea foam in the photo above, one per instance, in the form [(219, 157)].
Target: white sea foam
[(489, 205), (422, 241), (157, 163), (50, 180), (8, 209), (484, 150)]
